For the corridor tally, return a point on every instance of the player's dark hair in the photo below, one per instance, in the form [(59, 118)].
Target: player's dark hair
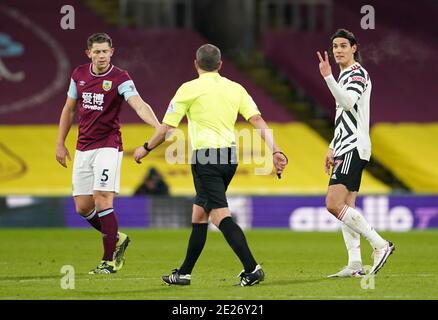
[(99, 37), (344, 33), (208, 57)]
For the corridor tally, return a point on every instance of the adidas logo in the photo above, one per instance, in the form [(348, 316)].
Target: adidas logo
[(334, 176)]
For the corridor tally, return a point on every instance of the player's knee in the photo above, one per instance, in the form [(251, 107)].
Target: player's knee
[(83, 210), (217, 215), (84, 205), (199, 215), (103, 200), (198, 219), (333, 206), (103, 195)]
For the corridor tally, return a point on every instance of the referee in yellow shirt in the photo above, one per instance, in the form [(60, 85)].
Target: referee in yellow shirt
[(212, 103)]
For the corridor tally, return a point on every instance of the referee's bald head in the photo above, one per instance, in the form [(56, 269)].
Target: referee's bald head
[(208, 57)]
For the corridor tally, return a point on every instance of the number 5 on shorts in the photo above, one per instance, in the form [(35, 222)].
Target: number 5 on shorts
[(104, 175)]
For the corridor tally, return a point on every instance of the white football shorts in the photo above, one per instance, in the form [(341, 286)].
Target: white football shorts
[(97, 169)]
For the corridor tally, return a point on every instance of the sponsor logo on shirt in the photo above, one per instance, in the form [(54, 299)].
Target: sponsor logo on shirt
[(359, 78), (106, 85), (92, 101), (82, 83)]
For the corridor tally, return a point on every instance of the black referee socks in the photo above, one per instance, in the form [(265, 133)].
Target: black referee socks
[(196, 244), (237, 241)]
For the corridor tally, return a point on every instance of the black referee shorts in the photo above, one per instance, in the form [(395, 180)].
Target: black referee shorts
[(213, 170), (347, 170)]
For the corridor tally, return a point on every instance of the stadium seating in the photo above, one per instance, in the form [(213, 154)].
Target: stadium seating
[(395, 60), (41, 55), (45, 54), (158, 70), (402, 64)]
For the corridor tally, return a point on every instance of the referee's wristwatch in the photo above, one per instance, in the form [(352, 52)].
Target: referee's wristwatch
[(146, 147)]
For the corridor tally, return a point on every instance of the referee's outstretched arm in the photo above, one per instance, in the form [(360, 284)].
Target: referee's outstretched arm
[(157, 139), (278, 157)]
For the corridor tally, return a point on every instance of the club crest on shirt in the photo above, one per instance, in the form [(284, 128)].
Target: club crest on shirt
[(106, 85)]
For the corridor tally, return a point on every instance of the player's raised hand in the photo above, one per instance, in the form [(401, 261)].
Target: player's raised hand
[(61, 154), (324, 64), (140, 153), (329, 161)]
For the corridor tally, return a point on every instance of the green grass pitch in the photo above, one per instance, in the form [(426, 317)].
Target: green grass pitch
[(296, 265)]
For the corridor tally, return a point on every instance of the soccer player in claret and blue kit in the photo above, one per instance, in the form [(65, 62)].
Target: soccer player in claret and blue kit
[(96, 93)]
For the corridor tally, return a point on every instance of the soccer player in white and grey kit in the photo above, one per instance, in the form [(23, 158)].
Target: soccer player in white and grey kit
[(96, 92), (350, 151)]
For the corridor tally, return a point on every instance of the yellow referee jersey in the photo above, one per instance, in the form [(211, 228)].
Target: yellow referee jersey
[(211, 103)]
